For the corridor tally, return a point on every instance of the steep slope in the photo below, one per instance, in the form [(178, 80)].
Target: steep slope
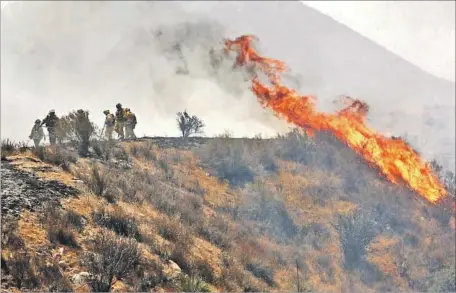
[(239, 213)]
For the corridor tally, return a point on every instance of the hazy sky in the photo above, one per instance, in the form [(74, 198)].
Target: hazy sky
[(421, 32)]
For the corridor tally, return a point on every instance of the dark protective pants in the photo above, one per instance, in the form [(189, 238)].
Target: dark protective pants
[(37, 142), (84, 147), (52, 135)]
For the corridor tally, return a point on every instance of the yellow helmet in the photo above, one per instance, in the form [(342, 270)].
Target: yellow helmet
[(106, 112)]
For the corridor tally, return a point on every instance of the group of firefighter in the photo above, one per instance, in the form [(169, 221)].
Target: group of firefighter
[(123, 123)]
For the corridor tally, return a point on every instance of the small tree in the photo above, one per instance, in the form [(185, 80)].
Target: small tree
[(189, 125), (449, 180), (77, 128)]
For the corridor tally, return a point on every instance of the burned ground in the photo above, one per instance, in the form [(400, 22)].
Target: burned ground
[(24, 190)]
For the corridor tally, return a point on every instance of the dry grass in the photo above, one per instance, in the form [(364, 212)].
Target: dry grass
[(346, 234)]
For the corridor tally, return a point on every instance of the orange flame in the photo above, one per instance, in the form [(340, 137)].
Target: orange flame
[(393, 157)]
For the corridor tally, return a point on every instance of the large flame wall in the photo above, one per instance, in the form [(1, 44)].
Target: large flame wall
[(393, 157)]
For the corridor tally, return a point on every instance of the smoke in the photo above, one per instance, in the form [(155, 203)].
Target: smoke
[(158, 58), (152, 57)]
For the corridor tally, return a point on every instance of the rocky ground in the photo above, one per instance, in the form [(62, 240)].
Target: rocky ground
[(24, 190)]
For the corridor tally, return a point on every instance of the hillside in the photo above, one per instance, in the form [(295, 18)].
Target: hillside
[(239, 214)]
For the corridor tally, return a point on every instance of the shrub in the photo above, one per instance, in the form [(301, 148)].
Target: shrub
[(230, 277), (20, 268), (166, 203), (131, 185), (8, 147), (59, 233), (174, 231), (229, 160), (192, 284), (204, 270), (356, 231), (9, 235), (179, 256), (53, 215), (449, 180), (164, 165), (315, 234), (296, 146), (118, 222), (56, 155), (53, 279), (261, 271), (268, 162), (225, 134), (163, 250), (103, 149), (40, 152), (23, 146), (197, 188), (190, 210), (144, 150), (99, 182), (216, 231), (50, 213), (249, 287), (269, 212), (189, 125), (154, 277), (444, 281), (112, 257), (59, 225), (74, 219)]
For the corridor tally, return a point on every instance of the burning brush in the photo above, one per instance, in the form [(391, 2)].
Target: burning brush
[(393, 157)]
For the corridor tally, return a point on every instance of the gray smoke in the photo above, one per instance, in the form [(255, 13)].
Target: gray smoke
[(152, 57)]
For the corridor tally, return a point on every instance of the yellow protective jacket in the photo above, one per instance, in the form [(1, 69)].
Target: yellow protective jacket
[(130, 118)]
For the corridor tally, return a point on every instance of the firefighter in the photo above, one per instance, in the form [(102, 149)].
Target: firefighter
[(51, 122), (37, 133), (130, 124), (120, 121), (84, 130), (110, 122)]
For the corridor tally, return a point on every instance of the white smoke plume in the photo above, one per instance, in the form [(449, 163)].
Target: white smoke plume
[(152, 57)]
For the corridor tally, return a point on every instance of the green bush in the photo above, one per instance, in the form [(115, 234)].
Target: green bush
[(192, 283)]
